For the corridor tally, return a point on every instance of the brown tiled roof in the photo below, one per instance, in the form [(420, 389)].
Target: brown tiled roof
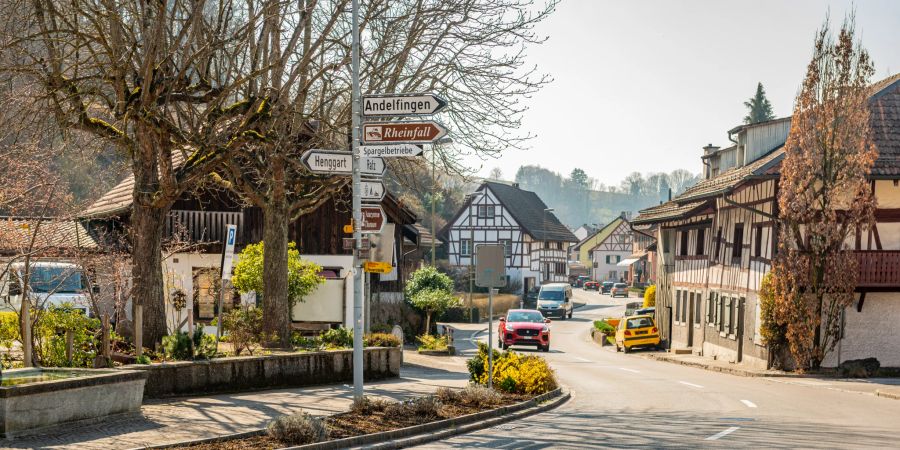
[(730, 178), (885, 120), (59, 234), (667, 211), (118, 200)]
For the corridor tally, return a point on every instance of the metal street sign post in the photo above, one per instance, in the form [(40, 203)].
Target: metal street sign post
[(490, 272), (372, 219), (335, 162), (372, 190), (357, 205), (411, 132), (227, 260), (392, 151), (420, 104), (365, 244)]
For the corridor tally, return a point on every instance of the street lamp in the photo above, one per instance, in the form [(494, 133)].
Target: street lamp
[(546, 245), (470, 199)]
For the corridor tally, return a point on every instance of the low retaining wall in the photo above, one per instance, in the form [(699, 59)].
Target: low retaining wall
[(265, 372)]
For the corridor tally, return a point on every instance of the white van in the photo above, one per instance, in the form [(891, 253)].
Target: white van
[(50, 284)]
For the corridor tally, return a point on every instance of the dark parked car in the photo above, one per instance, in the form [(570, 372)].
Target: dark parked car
[(606, 287), (591, 286)]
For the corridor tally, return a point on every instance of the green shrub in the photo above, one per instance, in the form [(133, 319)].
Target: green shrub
[(303, 276), (477, 364), (381, 340), (429, 342), (50, 336), (178, 346), (337, 338), (9, 330), (307, 343), (244, 328), (143, 359), (298, 429), (650, 296), (430, 291), (604, 327)]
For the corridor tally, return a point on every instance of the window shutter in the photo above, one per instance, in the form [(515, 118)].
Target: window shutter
[(728, 303)]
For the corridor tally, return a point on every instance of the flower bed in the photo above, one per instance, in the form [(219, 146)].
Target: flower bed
[(370, 416)]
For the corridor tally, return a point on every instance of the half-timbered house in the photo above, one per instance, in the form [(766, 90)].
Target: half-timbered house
[(611, 246), (496, 213), (716, 241)]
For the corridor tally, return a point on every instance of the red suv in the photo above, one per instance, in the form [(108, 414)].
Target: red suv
[(524, 327), (592, 286)]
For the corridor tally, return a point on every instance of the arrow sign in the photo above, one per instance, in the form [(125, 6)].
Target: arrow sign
[(334, 162), (412, 132), (391, 151), (372, 190), (421, 104), (373, 219)]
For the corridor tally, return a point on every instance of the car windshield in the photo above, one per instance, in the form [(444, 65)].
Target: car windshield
[(551, 295), (525, 316), (621, 285), (607, 283), (639, 322), (61, 280)]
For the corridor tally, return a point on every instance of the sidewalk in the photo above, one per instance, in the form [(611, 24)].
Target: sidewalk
[(175, 420), (882, 387)]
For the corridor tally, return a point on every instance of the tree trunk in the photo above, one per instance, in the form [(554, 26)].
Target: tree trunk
[(146, 240), (276, 305)]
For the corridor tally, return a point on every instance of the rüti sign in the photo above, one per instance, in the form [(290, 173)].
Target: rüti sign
[(391, 150), (334, 162), (373, 219), (401, 104), (372, 190), (412, 132)]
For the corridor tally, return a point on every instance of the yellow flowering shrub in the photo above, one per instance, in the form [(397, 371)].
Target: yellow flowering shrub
[(515, 373)]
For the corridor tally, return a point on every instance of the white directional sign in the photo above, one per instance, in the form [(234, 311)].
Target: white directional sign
[(391, 151), (372, 190), (334, 162), (403, 132), (402, 104)]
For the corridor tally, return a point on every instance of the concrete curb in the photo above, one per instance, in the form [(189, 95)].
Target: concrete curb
[(729, 370), (895, 395), (413, 435)]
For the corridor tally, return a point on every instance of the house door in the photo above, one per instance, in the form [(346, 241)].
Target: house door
[(529, 284), (690, 319)]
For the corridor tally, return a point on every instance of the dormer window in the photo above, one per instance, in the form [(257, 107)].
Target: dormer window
[(485, 211)]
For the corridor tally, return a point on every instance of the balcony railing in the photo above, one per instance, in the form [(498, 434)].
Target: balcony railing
[(878, 268), (202, 226)]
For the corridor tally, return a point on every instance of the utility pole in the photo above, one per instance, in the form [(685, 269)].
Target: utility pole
[(357, 214), (433, 183)]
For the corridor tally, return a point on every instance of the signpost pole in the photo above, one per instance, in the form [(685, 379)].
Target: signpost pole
[(489, 272), (357, 213)]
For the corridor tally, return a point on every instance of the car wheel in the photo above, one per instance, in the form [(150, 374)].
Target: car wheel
[(618, 349), (627, 350), (545, 348), (504, 346), (572, 311)]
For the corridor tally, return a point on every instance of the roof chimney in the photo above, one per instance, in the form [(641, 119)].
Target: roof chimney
[(710, 149)]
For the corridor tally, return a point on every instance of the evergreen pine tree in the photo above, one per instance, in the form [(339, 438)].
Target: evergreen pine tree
[(759, 106)]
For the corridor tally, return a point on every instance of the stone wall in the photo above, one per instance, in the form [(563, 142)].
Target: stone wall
[(243, 373)]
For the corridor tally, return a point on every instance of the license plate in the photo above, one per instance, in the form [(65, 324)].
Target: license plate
[(641, 332)]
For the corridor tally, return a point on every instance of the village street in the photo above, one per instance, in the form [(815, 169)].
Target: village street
[(623, 400)]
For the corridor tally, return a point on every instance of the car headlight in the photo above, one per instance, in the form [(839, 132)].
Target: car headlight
[(509, 328), (546, 329)]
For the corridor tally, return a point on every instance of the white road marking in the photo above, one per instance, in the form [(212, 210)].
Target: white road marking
[(581, 359), (722, 434), (749, 403), (691, 384), (629, 370)]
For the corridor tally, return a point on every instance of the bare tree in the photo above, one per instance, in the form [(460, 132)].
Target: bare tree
[(161, 81), (824, 195)]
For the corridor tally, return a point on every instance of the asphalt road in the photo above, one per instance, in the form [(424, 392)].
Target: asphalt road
[(623, 400)]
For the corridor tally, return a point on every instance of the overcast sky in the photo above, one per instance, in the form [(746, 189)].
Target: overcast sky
[(643, 85)]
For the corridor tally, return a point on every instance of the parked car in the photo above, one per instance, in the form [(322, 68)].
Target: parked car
[(651, 311), (524, 327), (606, 287), (555, 299), (636, 331), (50, 284), (581, 280), (619, 289), (591, 286)]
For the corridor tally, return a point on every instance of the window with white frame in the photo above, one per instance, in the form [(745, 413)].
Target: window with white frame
[(507, 245), (485, 211), (465, 247)]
